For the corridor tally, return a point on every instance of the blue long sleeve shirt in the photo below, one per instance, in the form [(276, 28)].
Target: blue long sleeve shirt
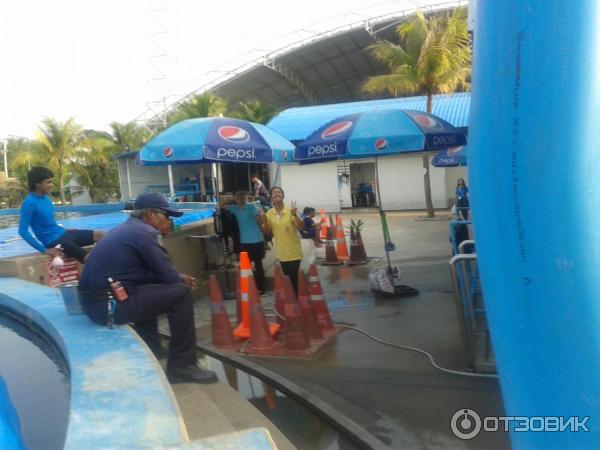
[(37, 213), (131, 254)]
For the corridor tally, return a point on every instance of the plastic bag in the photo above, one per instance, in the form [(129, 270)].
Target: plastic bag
[(385, 280)]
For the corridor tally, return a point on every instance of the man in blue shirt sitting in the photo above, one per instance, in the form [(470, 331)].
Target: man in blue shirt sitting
[(132, 254), (37, 212)]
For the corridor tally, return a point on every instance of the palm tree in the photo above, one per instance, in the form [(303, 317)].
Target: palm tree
[(129, 135), (61, 142), (203, 105), (433, 57), (255, 112), (23, 155), (95, 166)]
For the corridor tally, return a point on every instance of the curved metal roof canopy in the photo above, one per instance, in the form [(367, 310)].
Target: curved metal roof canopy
[(327, 68), (297, 124)]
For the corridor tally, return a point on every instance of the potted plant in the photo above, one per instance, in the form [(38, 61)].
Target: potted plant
[(358, 255)]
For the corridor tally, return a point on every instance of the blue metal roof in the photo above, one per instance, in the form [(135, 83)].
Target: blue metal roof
[(297, 124)]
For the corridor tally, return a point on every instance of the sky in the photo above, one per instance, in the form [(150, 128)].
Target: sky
[(111, 60)]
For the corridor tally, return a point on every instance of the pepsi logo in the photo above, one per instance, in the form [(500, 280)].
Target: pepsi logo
[(380, 144), (454, 150), (427, 122), (284, 154), (167, 152), (233, 134), (336, 129)]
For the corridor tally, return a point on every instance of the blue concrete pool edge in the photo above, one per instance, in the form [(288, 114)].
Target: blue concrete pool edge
[(120, 397)]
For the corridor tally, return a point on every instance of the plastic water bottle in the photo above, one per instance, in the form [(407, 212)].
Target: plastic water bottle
[(57, 261)]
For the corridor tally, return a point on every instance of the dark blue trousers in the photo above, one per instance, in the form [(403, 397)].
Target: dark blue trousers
[(145, 304)]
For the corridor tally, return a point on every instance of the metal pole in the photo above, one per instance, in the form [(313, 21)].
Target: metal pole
[(377, 182), (460, 308), (171, 185), (383, 219), (128, 178)]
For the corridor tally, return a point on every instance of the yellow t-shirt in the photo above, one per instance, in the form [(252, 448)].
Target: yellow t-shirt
[(286, 234)]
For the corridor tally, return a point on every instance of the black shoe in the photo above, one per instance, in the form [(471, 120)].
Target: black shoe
[(190, 374)]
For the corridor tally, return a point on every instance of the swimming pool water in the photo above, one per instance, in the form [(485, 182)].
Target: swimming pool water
[(304, 429), (38, 382), (13, 220)]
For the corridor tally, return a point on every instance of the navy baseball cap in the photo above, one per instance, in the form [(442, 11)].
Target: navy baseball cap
[(156, 200)]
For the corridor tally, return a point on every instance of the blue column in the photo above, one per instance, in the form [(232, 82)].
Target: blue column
[(534, 170)]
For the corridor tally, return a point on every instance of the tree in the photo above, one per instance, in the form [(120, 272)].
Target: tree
[(129, 135), (61, 142), (23, 154), (203, 105), (255, 112), (433, 57), (95, 166)]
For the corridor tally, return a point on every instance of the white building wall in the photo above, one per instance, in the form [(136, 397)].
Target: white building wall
[(400, 180), (401, 183), (314, 185)]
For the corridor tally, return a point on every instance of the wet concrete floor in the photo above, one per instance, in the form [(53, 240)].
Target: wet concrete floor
[(395, 395)]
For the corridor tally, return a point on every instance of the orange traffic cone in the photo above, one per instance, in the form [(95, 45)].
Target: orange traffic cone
[(296, 334), (323, 232), (342, 248), (238, 298), (308, 311), (261, 332), (330, 255), (279, 295), (222, 336), (318, 301), (243, 329), (332, 225), (358, 255)]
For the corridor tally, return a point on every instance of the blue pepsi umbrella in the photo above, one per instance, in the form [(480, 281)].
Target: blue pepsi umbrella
[(451, 157), (214, 139), (378, 133)]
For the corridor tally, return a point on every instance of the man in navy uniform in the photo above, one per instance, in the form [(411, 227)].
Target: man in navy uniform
[(132, 254)]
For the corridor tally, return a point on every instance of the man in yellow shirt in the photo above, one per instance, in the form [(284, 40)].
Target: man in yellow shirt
[(285, 225)]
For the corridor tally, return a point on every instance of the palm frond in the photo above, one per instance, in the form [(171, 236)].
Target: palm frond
[(393, 84)]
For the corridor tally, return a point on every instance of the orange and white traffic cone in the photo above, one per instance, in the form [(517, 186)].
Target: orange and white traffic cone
[(222, 336), (308, 311), (261, 332), (296, 334), (318, 301), (332, 225), (323, 231), (358, 255), (330, 254), (243, 329), (342, 248), (238, 298)]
